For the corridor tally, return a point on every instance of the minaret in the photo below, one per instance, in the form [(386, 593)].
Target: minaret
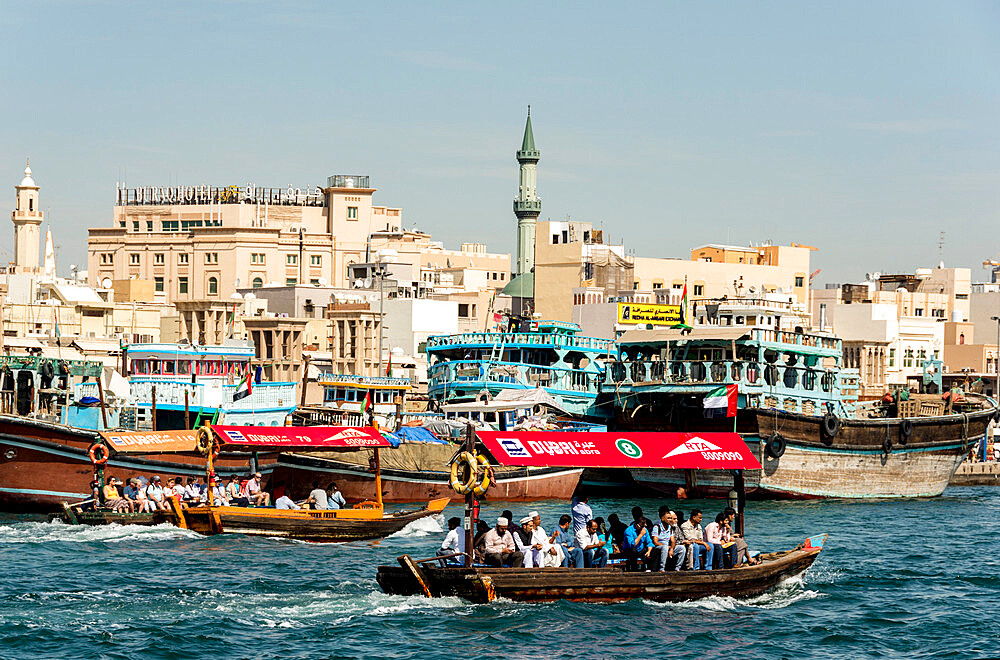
[(527, 206), (27, 219)]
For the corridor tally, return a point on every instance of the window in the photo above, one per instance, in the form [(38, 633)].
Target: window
[(256, 257), (939, 313), (121, 223), (31, 206), (291, 259), (892, 357), (961, 296), (158, 284), (699, 289), (107, 258), (170, 225), (149, 225), (182, 285), (463, 310), (135, 225), (635, 286), (352, 212), (918, 311), (213, 286), (314, 281), (211, 257), (316, 260), (800, 281), (257, 283), (657, 285), (908, 357), (158, 258), (291, 281), (182, 258), (134, 259)]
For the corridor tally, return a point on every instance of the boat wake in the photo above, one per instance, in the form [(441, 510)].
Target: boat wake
[(422, 527), (38, 532), (786, 593)]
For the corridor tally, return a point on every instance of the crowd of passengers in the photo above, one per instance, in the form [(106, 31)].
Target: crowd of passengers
[(582, 541), (139, 495)]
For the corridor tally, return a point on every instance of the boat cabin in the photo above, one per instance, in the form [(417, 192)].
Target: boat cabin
[(345, 395)]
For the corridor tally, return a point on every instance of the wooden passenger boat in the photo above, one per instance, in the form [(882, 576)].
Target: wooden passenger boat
[(724, 452), (482, 584)]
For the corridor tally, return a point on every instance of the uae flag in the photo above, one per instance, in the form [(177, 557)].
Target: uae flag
[(366, 405), (721, 402), (245, 388)]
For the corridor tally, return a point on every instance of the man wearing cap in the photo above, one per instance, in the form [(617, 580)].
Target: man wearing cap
[(154, 493), (500, 550), (219, 496), (526, 544), (551, 554)]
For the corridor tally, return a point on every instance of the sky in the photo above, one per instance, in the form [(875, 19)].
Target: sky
[(863, 129)]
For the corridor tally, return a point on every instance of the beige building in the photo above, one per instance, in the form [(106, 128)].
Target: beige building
[(201, 242)]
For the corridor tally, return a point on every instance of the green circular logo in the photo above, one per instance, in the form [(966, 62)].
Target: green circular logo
[(628, 448)]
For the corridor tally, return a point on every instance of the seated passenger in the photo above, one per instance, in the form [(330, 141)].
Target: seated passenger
[(701, 552), (285, 502), (572, 555), (255, 493), (723, 551), (666, 539), (192, 491), (234, 493), (333, 497), (500, 549), (524, 543), (219, 495), (317, 497), (638, 545), (552, 555), (617, 529), (142, 503), (454, 541), (479, 542), (130, 493), (742, 548), (114, 500), (595, 554), (154, 492)]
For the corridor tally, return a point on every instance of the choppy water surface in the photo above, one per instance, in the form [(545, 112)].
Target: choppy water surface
[(916, 579)]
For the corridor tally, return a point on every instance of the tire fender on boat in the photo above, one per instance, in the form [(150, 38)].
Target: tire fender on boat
[(775, 445), (905, 430), (831, 425), (93, 454)]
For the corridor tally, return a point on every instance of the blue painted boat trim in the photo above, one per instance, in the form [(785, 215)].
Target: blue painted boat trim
[(34, 491)]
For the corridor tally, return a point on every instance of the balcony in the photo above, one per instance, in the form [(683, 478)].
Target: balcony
[(347, 181), (472, 374), (514, 339)]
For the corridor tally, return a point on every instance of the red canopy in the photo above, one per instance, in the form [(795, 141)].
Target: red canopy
[(307, 438), (712, 451)]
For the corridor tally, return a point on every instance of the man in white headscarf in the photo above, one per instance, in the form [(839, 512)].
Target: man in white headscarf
[(526, 544), (552, 554)]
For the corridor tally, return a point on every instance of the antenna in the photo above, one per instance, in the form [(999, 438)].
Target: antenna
[(941, 250)]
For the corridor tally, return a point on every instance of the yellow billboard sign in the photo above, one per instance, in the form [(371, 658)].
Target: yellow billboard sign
[(648, 313)]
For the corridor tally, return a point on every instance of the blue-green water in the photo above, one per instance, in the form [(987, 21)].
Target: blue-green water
[(916, 579)]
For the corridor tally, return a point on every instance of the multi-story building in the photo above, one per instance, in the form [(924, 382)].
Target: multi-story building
[(203, 243)]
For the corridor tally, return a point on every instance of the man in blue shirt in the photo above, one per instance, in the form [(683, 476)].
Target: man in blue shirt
[(638, 545), (666, 544), (572, 555), (582, 513)]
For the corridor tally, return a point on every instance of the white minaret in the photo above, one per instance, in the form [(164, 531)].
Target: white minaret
[(527, 205), (27, 219), (49, 265)]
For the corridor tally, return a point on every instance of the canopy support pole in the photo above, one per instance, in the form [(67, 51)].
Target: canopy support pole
[(470, 500), (378, 478), (741, 499)]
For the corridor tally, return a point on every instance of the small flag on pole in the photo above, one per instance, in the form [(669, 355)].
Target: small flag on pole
[(245, 386), (232, 323), (388, 365), (367, 403), (721, 402)]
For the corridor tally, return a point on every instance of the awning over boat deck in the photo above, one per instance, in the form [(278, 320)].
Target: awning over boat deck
[(705, 451), (663, 335), (150, 442), (299, 438)]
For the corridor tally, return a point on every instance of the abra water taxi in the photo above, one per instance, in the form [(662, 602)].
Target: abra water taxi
[(724, 452)]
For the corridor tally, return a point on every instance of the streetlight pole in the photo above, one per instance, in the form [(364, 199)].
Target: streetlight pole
[(996, 360), (381, 313)]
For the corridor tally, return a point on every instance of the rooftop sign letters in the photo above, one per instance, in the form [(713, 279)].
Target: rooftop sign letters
[(649, 313), (192, 195)]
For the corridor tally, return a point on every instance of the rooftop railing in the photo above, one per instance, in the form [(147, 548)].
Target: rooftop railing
[(489, 339)]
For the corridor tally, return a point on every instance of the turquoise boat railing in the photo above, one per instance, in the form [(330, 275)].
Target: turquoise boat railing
[(514, 339)]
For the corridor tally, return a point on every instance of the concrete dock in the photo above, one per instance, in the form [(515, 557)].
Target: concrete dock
[(976, 474)]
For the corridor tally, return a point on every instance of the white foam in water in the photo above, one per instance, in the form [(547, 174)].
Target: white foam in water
[(422, 527), (35, 532), (786, 593)]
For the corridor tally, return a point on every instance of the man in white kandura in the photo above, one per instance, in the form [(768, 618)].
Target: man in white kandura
[(552, 555)]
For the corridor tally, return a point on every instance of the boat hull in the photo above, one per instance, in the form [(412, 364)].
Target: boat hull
[(597, 585), (853, 464), (43, 464), (400, 485)]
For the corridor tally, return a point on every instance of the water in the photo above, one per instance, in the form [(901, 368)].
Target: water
[(898, 578)]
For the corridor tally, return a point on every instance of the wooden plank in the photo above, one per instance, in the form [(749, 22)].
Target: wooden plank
[(407, 562)]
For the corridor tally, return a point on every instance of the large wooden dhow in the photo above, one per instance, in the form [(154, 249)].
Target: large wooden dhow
[(797, 409), (721, 452)]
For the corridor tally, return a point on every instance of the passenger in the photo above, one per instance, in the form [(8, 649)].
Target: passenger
[(723, 553), (551, 553), (742, 548), (285, 502), (455, 540), (523, 541), (479, 542), (95, 497), (235, 494), (317, 497), (255, 493), (333, 497), (500, 550), (572, 555), (582, 513), (513, 527), (594, 553), (219, 495), (701, 552), (638, 546), (192, 491), (666, 541), (617, 529), (130, 493), (114, 500), (143, 505), (154, 493)]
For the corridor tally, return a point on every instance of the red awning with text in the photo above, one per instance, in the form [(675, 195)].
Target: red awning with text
[(303, 438), (706, 451)]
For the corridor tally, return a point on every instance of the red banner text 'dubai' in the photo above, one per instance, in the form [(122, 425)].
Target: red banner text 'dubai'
[(705, 451)]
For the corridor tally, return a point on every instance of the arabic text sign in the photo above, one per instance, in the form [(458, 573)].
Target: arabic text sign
[(150, 441), (712, 451), (648, 313), (302, 437)]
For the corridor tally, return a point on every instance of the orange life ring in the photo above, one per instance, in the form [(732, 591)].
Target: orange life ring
[(93, 454)]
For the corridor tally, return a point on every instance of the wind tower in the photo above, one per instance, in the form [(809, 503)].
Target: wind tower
[(27, 219), (527, 205)]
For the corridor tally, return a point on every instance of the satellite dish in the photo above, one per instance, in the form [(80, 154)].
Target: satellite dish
[(106, 282), (358, 283), (368, 282)]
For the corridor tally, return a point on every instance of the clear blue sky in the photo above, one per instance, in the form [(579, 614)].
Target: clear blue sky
[(864, 129)]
